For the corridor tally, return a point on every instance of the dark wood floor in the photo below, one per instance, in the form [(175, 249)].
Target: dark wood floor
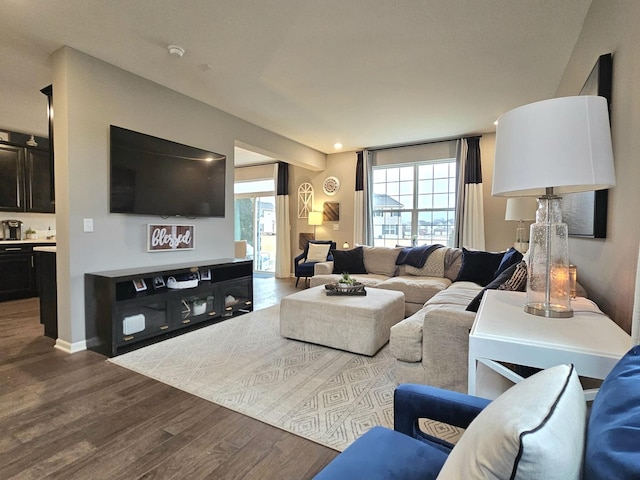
[(79, 417)]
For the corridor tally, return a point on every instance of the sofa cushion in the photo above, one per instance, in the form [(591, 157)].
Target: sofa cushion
[(416, 289), (405, 338), (349, 261), (479, 266), (452, 263), (510, 257), (381, 260), (368, 279), (534, 430), (433, 266), (459, 294), (613, 435), (318, 252)]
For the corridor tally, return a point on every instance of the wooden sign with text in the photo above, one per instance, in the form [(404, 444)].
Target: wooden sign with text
[(170, 238)]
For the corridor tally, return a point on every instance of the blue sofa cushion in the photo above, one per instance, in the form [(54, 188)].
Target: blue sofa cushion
[(385, 454), (613, 434)]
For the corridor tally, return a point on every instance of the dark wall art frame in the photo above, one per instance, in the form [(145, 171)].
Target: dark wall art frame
[(586, 213)]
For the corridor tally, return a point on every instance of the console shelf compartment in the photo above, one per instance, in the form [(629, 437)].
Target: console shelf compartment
[(132, 308)]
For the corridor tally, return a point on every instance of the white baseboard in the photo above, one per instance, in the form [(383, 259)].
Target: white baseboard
[(70, 347)]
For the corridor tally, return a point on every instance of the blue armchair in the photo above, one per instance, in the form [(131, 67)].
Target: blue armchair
[(405, 452), (304, 268), (557, 442)]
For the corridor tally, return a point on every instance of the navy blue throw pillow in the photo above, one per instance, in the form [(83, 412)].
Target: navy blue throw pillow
[(479, 266), (511, 257), (348, 261), (495, 283)]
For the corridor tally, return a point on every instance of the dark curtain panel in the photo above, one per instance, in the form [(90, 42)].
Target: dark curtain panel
[(283, 179), (473, 170), (360, 171)]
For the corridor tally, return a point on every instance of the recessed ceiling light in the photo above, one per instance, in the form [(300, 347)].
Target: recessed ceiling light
[(337, 146)]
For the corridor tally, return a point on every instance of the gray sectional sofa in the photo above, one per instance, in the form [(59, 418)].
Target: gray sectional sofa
[(431, 344), (418, 284)]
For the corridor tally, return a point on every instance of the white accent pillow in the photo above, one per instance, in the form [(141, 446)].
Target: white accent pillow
[(535, 430), (318, 252)]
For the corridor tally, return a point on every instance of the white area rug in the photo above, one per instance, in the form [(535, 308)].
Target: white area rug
[(328, 396)]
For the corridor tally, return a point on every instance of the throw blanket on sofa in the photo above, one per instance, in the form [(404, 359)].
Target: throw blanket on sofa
[(416, 256)]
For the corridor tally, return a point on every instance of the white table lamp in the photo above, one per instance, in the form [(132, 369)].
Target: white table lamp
[(315, 219), (521, 209), (556, 146)]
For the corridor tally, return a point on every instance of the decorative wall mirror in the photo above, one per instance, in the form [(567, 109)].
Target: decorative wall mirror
[(305, 199)]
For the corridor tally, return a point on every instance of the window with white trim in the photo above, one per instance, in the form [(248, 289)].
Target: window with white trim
[(414, 203)]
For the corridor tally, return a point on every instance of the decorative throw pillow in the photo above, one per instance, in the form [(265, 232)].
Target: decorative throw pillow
[(433, 267), (318, 252), (495, 284), (613, 435), (479, 266), (510, 257), (518, 281), (348, 261), (380, 260), (534, 430)]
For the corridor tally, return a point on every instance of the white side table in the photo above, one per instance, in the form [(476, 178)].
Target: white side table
[(503, 332)]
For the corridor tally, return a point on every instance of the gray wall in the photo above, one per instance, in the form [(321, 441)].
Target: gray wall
[(89, 95), (607, 267)]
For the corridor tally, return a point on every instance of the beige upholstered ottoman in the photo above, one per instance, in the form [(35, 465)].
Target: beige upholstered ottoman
[(358, 324)]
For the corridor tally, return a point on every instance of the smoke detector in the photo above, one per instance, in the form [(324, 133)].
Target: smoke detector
[(176, 50)]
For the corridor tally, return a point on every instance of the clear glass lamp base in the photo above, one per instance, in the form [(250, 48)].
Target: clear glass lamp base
[(548, 285)]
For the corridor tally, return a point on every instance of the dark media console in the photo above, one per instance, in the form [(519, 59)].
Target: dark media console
[(132, 308)]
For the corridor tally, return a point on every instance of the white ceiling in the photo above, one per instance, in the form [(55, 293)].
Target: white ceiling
[(360, 72)]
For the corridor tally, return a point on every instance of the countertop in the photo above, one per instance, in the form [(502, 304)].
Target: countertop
[(13, 242), (51, 249)]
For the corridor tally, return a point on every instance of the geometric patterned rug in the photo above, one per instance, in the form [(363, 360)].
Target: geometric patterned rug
[(328, 396)]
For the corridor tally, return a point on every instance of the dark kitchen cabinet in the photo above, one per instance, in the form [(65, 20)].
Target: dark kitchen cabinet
[(11, 178), (18, 277), (38, 181), (25, 179)]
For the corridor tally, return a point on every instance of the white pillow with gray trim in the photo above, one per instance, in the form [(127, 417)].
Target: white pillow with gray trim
[(535, 430)]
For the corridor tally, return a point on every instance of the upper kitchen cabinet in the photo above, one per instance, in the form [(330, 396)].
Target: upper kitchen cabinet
[(25, 177)]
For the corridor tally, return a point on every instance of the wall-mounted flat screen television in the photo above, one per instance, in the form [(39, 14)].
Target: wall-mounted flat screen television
[(152, 176)]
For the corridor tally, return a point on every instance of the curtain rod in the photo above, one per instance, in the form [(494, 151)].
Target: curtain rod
[(402, 145)]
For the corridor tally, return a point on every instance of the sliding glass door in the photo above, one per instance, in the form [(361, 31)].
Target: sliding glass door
[(255, 222)]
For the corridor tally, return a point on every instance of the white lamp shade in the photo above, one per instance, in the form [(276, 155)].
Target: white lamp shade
[(315, 218), (521, 208), (564, 143)]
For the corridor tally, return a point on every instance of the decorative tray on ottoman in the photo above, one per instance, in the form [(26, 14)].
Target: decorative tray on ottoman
[(342, 289)]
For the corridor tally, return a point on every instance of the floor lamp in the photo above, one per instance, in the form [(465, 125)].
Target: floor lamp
[(544, 149), (315, 219)]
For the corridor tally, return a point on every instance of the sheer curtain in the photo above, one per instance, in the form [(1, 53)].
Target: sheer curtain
[(470, 215), (283, 228)]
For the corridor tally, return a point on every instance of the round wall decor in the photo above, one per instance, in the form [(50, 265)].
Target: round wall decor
[(331, 185)]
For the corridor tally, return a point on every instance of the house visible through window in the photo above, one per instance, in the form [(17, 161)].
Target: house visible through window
[(414, 202)]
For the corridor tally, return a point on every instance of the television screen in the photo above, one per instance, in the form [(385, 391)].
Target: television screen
[(152, 176)]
